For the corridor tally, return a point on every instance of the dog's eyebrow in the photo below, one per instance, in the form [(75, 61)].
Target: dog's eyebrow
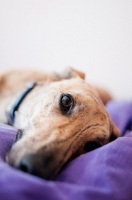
[(93, 98)]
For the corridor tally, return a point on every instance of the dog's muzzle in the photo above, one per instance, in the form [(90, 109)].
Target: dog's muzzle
[(44, 163), (35, 165)]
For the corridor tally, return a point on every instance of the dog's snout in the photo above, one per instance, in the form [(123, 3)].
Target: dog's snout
[(37, 165)]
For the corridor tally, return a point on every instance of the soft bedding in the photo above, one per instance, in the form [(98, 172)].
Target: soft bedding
[(105, 173)]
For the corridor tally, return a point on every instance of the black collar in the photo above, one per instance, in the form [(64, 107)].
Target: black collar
[(16, 100)]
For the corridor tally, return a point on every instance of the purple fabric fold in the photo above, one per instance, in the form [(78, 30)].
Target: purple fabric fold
[(105, 173)]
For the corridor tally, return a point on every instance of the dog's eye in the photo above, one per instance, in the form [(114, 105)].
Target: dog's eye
[(18, 135), (66, 103), (91, 146)]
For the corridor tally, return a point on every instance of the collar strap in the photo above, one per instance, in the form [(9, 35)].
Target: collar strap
[(16, 100)]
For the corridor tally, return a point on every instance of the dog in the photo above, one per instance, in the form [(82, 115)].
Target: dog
[(59, 118)]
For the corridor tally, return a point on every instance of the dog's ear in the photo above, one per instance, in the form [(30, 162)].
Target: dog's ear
[(104, 95), (114, 131), (69, 73)]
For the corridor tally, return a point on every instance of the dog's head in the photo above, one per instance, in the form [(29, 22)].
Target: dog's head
[(59, 122)]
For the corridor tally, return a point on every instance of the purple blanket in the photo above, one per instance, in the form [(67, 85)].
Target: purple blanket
[(105, 173)]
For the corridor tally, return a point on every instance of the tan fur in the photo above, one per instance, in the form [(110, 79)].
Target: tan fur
[(46, 130)]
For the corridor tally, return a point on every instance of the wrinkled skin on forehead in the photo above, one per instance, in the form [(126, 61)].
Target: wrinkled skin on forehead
[(49, 137)]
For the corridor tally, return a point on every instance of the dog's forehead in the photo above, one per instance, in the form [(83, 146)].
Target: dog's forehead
[(75, 86), (74, 82)]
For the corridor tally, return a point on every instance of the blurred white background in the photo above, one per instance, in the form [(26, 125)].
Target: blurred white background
[(94, 36)]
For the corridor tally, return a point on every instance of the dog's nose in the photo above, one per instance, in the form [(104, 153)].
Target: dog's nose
[(26, 164), (37, 165)]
